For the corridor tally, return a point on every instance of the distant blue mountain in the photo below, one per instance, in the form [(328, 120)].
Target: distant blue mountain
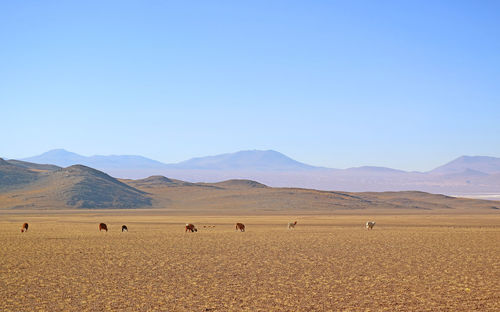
[(245, 160), (484, 164), (58, 157), (374, 169), (464, 175), (63, 158)]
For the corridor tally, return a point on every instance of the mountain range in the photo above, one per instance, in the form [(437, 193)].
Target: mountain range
[(466, 175), (25, 185)]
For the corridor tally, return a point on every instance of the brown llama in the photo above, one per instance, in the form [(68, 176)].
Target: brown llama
[(190, 227), (103, 226), (240, 226)]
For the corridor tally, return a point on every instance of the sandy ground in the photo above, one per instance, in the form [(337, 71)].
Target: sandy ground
[(406, 263)]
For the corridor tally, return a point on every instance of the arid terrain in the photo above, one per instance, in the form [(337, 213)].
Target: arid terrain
[(427, 252), (406, 263)]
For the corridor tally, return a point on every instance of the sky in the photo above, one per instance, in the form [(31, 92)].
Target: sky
[(403, 84)]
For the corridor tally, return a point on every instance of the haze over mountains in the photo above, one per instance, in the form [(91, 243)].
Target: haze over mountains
[(466, 175), (63, 158), (243, 160), (25, 185)]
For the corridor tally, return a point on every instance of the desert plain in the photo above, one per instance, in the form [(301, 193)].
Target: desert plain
[(408, 262)]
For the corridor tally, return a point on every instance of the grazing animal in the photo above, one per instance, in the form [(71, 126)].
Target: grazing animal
[(191, 227), (24, 228), (240, 226), (370, 225), (292, 225), (124, 228), (103, 226)]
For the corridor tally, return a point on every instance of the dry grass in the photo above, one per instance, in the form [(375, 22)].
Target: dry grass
[(407, 263)]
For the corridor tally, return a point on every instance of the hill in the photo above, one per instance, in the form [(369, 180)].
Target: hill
[(33, 166), (233, 197), (83, 187), (12, 176), (156, 181), (73, 187), (249, 197), (238, 183)]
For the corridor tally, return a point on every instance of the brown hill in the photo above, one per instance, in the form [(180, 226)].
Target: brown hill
[(73, 187), (33, 166), (156, 181), (83, 187), (12, 176), (249, 197), (240, 183)]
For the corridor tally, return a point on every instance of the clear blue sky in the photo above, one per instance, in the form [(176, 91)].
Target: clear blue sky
[(403, 84)]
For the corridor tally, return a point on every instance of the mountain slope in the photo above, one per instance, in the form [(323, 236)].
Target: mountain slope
[(245, 160), (374, 170), (12, 176), (33, 166), (63, 158), (73, 187), (156, 181), (245, 197), (237, 183), (483, 164), (58, 157), (83, 187)]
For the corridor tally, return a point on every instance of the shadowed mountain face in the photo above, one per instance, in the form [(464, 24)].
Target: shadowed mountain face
[(83, 187), (73, 187), (28, 165), (12, 176)]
